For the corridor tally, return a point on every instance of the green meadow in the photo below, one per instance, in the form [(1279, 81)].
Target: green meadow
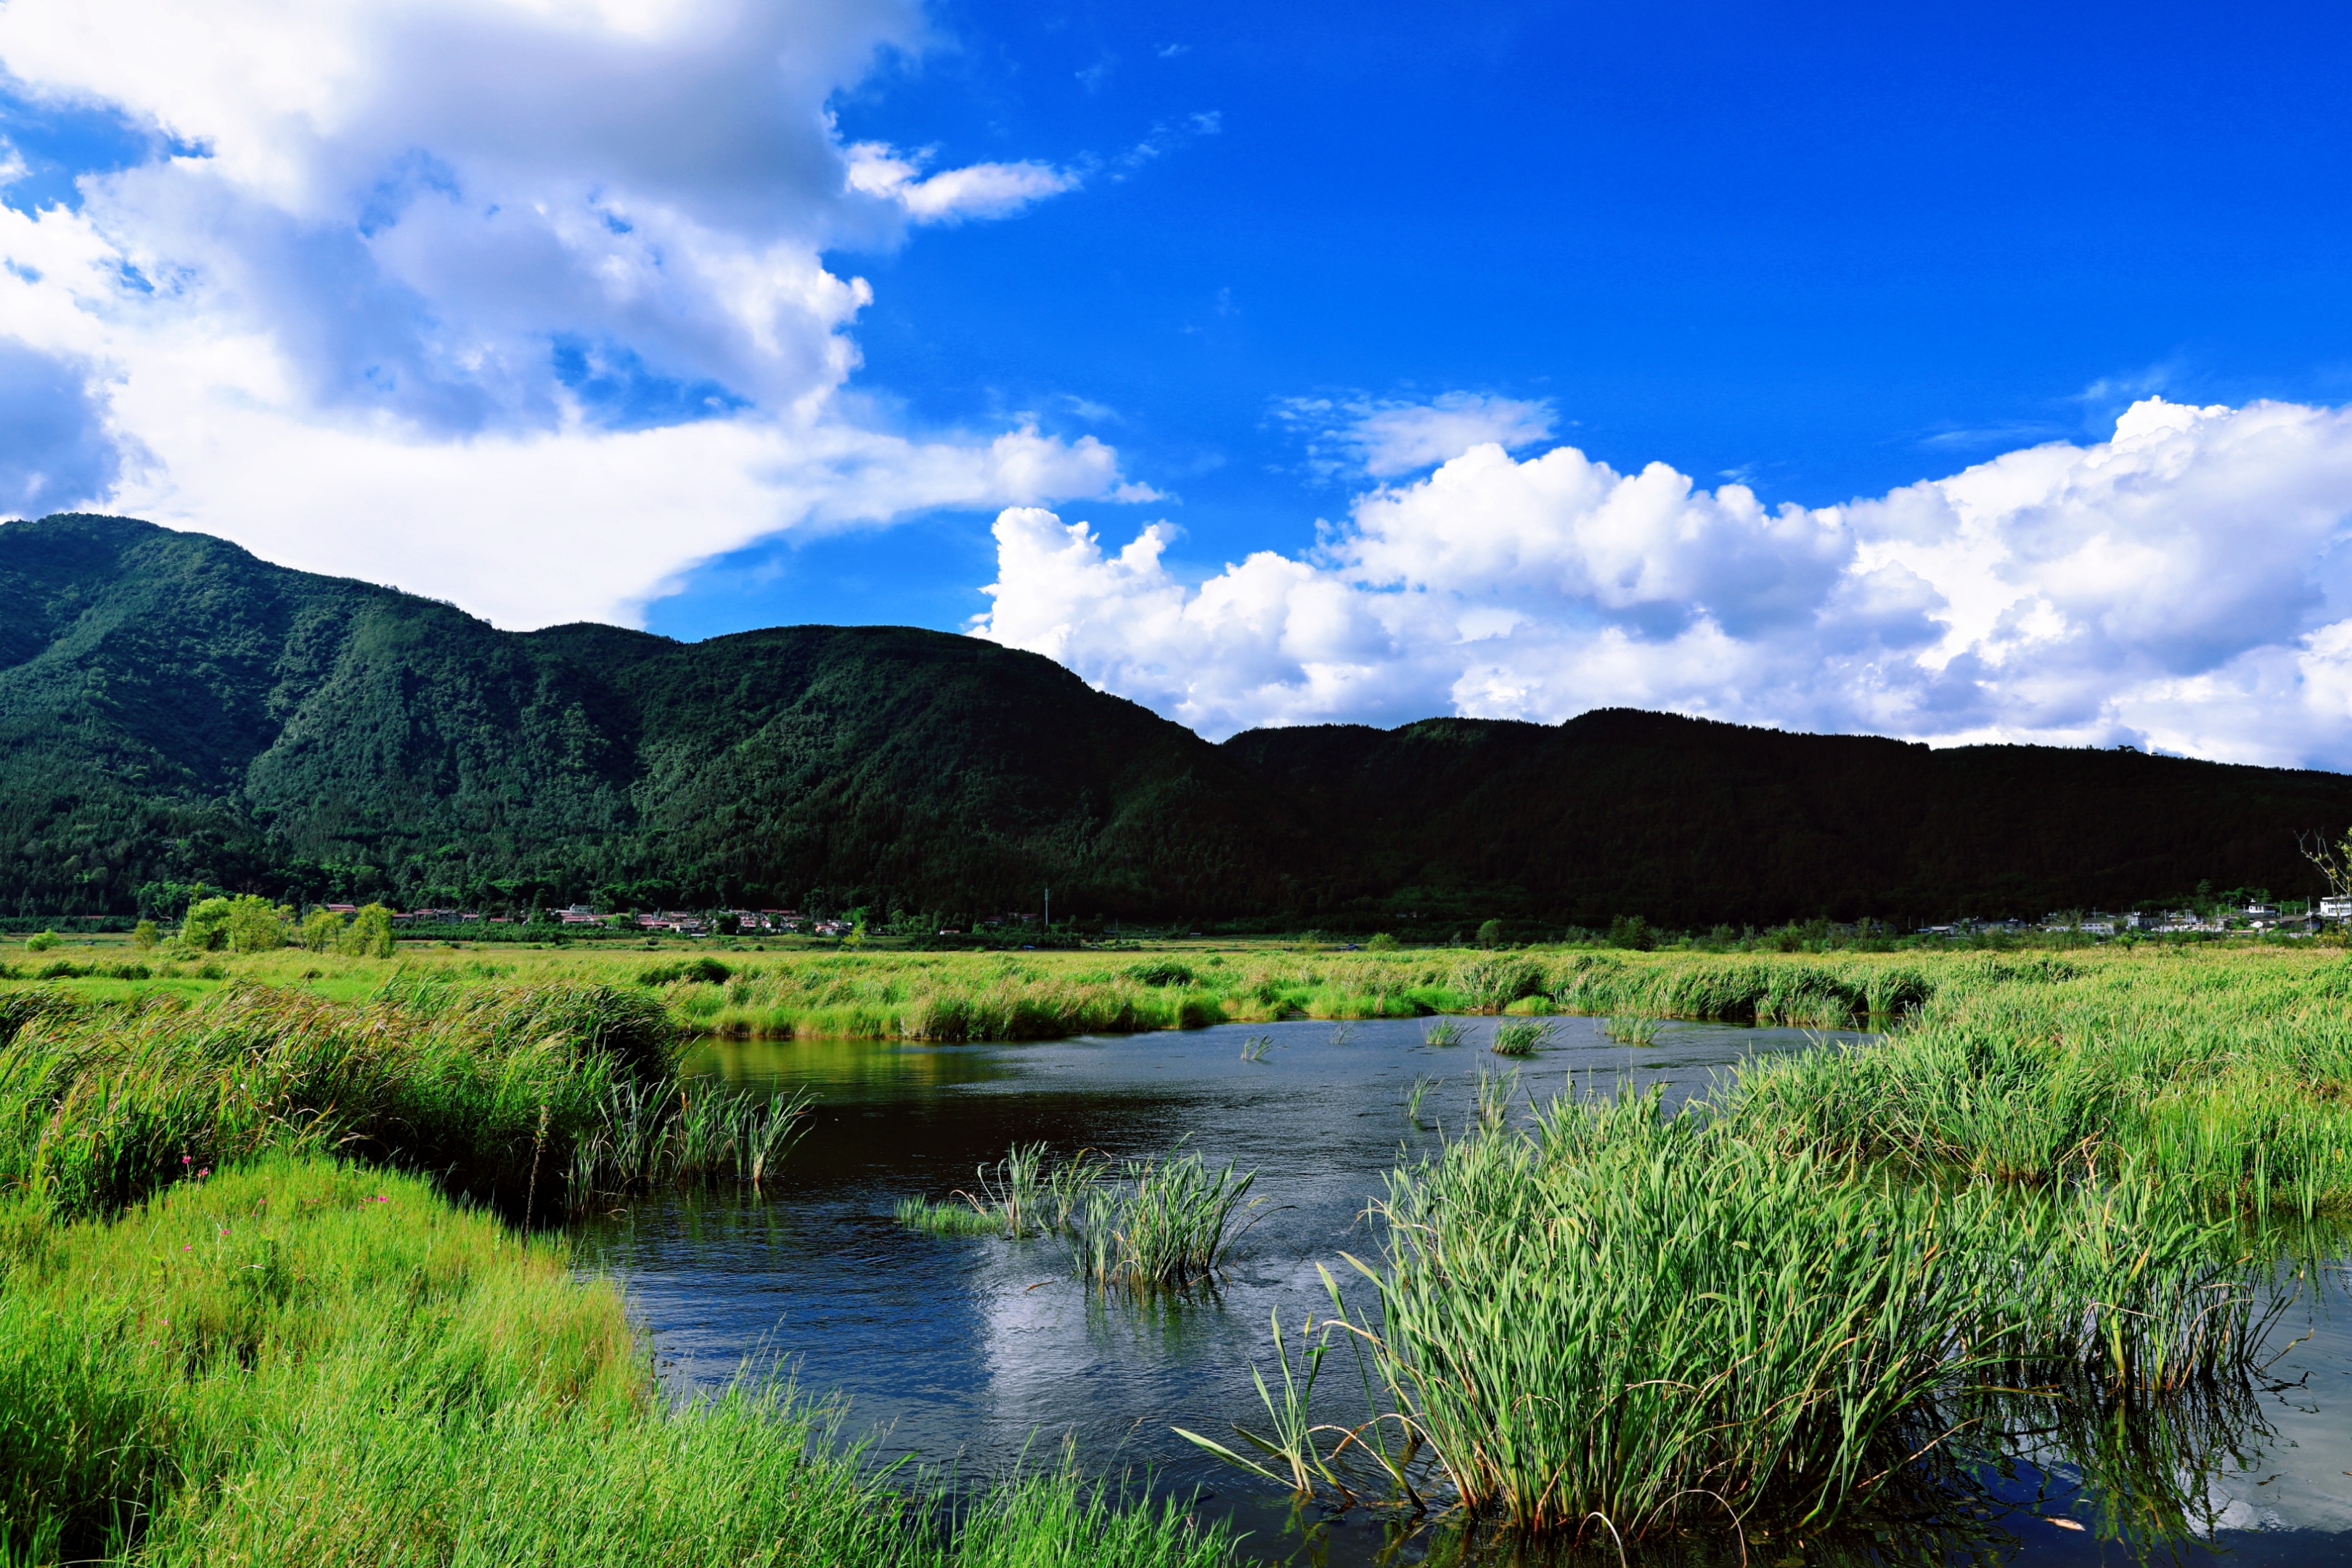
[(280, 1282)]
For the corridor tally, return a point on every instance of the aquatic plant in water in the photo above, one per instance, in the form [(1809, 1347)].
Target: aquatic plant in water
[(650, 1135), (947, 1219), (1159, 1222), (1420, 1088), (1753, 1327), (1443, 1032), (1631, 1029), (1492, 1103), (1255, 1048), (1522, 1038)]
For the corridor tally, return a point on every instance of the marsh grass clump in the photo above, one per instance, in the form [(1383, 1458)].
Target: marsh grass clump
[(1422, 1084), (1777, 1332), (1255, 1048), (1521, 1040), (652, 1135), (1159, 1222), (947, 1219), (1028, 1197), (1443, 1032), (1490, 1105), (1631, 1029), (1019, 1195)]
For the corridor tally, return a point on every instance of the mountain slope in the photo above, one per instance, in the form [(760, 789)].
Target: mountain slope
[(1692, 821), (174, 710)]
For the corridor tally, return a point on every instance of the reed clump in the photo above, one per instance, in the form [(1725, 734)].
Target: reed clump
[(1141, 1223), (1630, 1029), (1520, 1039), (1159, 1222), (1640, 1315), (659, 1134)]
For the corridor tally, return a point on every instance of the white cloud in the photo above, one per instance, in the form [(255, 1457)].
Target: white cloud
[(534, 286), (977, 190), (1360, 435), (2184, 585)]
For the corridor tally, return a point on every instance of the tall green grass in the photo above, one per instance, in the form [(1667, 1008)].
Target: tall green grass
[(309, 1363), (510, 1092), (1640, 1316), (2224, 1079), (958, 997), (1159, 1222)]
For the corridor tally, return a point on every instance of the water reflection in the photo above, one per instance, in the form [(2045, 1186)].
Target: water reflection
[(978, 1352)]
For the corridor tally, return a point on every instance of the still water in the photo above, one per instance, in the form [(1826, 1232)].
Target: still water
[(981, 1354)]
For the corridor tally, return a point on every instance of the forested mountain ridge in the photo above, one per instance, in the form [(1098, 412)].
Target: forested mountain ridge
[(1691, 822), (173, 709)]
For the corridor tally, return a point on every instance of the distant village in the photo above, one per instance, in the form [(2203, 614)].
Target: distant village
[(677, 922), (2286, 917)]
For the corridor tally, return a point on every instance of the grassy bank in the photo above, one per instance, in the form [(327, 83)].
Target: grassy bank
[(955, 997), (307, 1362), (520, 1095)]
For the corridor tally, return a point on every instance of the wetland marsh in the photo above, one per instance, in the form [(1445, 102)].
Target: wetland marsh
[(2025, 1258)]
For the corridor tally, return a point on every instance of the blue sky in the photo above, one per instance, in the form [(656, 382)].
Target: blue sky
[(1266, 364), (1829, 252)]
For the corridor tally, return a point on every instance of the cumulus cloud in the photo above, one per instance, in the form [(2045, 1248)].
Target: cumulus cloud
[(2183, 585), (536, 289)]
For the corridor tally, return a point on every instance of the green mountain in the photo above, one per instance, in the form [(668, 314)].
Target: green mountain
[(1692, 823), (174, 711)]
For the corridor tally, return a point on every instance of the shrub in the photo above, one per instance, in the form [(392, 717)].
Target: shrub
[(1381, 941), (41, 944), (369, 935), (205, 927), (321, 932), (1632, 932), (706, 969), (144, 934), (256, 925)]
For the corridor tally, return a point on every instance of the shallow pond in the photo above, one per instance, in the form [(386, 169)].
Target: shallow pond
[(976, 1351)]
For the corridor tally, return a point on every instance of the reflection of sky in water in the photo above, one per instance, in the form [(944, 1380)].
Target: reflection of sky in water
[(977, 1351)]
